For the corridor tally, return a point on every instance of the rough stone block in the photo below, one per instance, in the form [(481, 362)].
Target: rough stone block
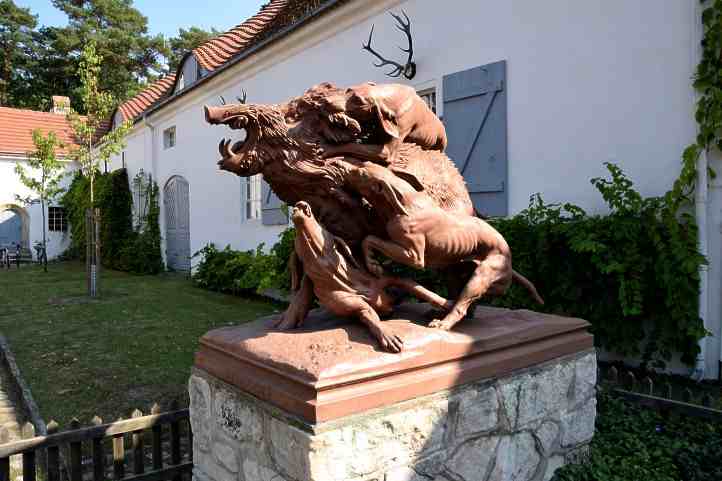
[(200, 403), (474, 459), (517, 458), (585, 378), (478, 411), (578, 426)]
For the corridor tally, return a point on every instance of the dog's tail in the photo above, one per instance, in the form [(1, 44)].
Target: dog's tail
[(527, 285), (420, 292)]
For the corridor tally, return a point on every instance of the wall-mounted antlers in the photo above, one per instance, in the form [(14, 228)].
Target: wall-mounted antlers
[(409, 68), (241, 99)]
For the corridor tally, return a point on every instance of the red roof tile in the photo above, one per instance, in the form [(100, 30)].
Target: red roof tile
[(217, 51), (146, 98), (17, 125), (272, 18)]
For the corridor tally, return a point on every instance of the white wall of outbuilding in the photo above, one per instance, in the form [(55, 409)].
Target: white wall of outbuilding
[(11, 186), (587, 83)]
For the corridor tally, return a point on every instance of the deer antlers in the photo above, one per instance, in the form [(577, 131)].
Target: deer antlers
[(409, 68), (241, 99)]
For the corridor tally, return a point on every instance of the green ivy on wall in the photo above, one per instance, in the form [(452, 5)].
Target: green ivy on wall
[(122, 247)]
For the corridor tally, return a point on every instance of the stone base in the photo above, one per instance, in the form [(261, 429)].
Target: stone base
[(508, 396), (521, 427)]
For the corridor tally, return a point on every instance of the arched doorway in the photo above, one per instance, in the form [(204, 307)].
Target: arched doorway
[(14, 226), (176, 200)]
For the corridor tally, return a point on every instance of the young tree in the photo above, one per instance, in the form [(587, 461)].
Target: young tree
[(96, 144), (42, 176)]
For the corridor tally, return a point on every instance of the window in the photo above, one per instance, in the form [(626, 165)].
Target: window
[(429, 96), (250, 198), (57, 222), (169, 138)]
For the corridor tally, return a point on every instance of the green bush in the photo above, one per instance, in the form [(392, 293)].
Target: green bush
[(634, 443), (632, 273), (243, 272)]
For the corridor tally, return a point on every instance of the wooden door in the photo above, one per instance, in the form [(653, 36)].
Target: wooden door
[(11, 228), (176, 200)]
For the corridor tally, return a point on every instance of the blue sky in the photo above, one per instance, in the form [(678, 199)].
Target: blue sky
[(166, 16)]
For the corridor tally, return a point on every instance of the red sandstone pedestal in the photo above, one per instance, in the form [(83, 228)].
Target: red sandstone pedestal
[(333, 368), (507, 396)]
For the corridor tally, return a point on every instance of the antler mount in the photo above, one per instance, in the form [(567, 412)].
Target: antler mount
[(408, 69)]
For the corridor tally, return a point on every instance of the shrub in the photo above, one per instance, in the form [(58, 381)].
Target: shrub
[(634, 443), (239, 272)]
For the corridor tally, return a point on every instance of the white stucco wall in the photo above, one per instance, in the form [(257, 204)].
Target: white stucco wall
[(10, 186), (587, 82)]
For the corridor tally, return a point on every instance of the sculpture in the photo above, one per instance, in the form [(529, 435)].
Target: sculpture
[(367, 164), (342, 285)]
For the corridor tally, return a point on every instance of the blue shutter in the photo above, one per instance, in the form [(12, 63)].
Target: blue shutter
[(475, 121), (272, 212)]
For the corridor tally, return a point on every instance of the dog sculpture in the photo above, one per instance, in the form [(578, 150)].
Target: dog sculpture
[(423, 235), (344, 287)]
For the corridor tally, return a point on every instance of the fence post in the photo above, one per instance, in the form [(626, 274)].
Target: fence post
[(76, 455), (157, 441), (4, 462), (175, 449), (119, 455), (98, 455), (29, 471), (137, 437), (53, 455)]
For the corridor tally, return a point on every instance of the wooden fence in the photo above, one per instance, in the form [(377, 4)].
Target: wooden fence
[(663, 397), (142, 448)]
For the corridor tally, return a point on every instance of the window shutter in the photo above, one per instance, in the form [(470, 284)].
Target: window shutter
[(475, 121), (271, 207)]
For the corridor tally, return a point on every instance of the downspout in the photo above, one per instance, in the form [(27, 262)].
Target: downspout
[(701, 199), (151, 127)]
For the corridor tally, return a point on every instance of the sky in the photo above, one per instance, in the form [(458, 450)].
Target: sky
[(167, 16)]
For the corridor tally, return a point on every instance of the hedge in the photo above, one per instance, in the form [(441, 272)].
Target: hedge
[(633, 273)]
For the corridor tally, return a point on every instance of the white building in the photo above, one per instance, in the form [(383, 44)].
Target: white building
[(22, 223), (554, 89)]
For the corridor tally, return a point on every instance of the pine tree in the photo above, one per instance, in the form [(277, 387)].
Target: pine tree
[(184, 42), (17, 51)]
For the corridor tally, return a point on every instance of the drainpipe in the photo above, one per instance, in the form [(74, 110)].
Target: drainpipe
[(701, 200), (151, 127)]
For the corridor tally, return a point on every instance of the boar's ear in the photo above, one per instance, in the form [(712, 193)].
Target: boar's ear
[(409, 177), (386, 118)]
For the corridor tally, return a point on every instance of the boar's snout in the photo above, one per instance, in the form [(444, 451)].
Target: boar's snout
[(214, 115)]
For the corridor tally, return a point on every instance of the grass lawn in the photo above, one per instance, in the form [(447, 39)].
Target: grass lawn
[(128, 349)]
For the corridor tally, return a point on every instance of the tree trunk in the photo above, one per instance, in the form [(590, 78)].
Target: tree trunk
[(45, 243)]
